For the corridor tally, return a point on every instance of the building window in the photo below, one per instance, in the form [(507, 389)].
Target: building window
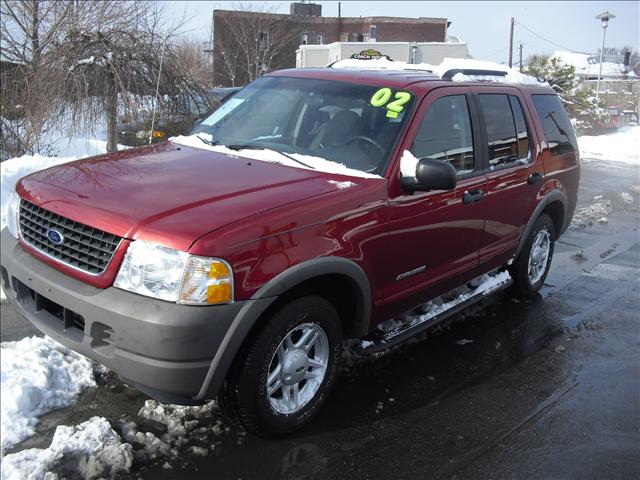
[(344, 37), (305, 39), (372, 32), (319, 39), (264, 39)]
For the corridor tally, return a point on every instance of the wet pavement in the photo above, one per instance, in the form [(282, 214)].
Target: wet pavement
[(548, 388)]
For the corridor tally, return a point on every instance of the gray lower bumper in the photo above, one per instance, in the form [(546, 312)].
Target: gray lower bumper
[(163, 348)]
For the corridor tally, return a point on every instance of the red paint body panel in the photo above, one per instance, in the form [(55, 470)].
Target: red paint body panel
[(264, 218)]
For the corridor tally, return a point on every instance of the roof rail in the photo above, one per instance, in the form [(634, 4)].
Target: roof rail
[(449, 74)]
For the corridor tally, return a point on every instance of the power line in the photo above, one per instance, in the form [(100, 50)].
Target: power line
[(492, 54), (543, 38)]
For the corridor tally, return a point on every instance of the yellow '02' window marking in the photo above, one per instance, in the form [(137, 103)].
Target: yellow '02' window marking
[(383, 95)]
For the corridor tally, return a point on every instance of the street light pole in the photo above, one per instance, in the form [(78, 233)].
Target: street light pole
[(604, 17)]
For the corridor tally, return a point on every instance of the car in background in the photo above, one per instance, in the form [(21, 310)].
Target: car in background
[(172, 119)]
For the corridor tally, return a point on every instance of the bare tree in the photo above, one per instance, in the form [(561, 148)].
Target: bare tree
[(248, 45), (196, 64), (119, 55), (92, 60), (27, 31)]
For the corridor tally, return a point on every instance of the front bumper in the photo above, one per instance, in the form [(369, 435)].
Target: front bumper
[(162, 348)]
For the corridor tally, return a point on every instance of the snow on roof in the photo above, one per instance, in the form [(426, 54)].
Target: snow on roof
[(589, 65), (512, 76)]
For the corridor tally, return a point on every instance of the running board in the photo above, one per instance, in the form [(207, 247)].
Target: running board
[(382, 340)]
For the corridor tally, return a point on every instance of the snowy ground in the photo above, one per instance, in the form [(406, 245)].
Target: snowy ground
[(622, 146)]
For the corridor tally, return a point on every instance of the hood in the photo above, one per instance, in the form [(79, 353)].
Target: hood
[(170, 194)]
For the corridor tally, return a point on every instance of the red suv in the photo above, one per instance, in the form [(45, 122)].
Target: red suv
[(309, 208)]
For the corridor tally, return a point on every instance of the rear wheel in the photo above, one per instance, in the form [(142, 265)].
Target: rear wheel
[(286, 374), (530, 269)]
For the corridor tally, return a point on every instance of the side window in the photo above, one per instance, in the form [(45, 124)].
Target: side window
[(445, 134), (521, 129), (501, 129), (556, 124)]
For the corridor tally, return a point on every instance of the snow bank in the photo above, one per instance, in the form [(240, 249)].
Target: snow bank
[(184, 425), (512, 76), (622, 146), (92, 449), (308, 162), (37, 375), (14, 169)]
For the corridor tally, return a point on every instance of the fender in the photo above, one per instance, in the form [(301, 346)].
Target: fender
[(317, 267), (550, 197), (267, 294)]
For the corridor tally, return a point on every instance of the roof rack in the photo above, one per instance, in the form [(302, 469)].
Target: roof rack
[(449, 74)]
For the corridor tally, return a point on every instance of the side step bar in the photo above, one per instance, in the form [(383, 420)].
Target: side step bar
[(382, 340)]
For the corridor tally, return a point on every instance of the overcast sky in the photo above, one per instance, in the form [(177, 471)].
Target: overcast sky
[(483, 25)]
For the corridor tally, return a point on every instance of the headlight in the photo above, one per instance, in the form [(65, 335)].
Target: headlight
[(168, 274), (13, 210)]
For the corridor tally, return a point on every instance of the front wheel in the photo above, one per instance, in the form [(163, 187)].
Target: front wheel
[(287, 373), (532, 265)]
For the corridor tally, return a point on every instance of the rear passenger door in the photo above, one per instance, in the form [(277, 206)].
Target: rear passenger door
[(513, 177)]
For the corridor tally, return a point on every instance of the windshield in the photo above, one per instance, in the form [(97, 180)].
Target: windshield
[(354, 125)]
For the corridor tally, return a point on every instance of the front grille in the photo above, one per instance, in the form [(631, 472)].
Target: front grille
[(85, 248)]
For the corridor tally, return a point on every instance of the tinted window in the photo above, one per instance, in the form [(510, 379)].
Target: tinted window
[(521, 128), (556, 124), (501, 130), (445, 134)]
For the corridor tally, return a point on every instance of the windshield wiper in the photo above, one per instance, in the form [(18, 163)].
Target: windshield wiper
[(255, 147), (240, 146), (294, 159), (207, 142)]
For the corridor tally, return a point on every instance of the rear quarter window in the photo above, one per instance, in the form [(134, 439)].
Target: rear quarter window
[(556, 124)]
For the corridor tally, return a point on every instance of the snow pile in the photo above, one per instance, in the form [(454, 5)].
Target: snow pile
[(596, 212), (341, 185), (408, 164), (14, 169), (512, 76), (92, 449), (296, 160), (184, 425), (622, 146), (37, 375)]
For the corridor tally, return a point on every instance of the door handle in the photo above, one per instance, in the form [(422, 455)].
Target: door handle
[(472, 196), (535, 177)]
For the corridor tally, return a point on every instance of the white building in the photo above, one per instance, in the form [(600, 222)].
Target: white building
[(429, 52)]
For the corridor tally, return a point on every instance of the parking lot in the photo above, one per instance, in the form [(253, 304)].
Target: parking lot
[(542, 389)]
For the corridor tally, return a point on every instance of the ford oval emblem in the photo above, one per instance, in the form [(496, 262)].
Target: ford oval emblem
[(55, 236)]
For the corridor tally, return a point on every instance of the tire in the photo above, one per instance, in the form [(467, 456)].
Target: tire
[(244, 395), (526, 281)]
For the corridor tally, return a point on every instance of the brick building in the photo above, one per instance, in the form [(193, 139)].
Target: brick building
[(246, 44)]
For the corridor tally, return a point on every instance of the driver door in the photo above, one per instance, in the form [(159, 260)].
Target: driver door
[(434, 236)]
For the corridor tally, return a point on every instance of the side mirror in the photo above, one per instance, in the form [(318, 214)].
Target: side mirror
[(431, 175)]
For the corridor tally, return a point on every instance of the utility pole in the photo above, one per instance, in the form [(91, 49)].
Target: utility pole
[(604, 17), (511, 43), (520, 57)]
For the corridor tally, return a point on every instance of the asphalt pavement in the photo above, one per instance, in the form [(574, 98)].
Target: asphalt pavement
[(548, 388)]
